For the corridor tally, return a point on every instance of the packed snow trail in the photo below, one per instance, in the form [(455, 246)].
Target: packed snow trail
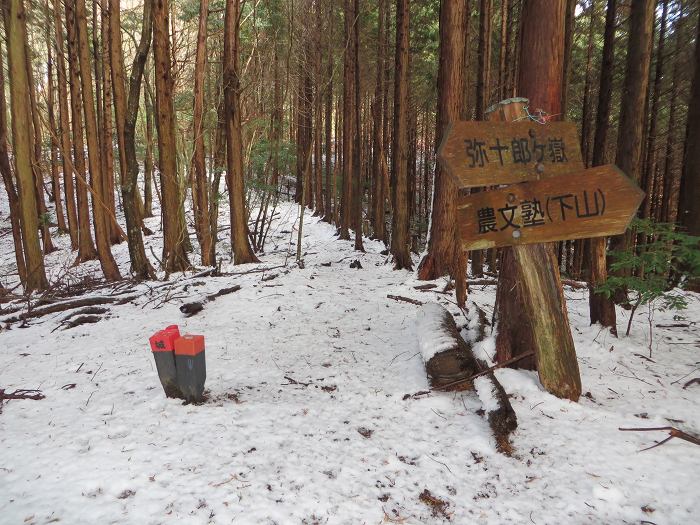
[(311, 417)]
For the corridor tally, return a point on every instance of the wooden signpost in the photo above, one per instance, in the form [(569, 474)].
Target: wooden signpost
[(548, 196), (489, 153), (596, 202)]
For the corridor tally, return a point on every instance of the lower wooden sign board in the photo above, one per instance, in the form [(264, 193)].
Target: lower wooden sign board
[(596, 202)]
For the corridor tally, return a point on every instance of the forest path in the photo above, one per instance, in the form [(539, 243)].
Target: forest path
[(307, 421)]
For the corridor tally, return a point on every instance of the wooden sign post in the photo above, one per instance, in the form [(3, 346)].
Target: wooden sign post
[(556, 199), (589, 203), (488, 153)]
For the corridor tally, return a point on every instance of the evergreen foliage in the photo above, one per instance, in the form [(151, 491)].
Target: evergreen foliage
[(650, 271)]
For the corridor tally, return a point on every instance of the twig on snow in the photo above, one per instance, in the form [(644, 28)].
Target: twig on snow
[(692, 382), (96, 371), (440, 462), (672, 431), (35, 395), (294, 382), (400, 298)]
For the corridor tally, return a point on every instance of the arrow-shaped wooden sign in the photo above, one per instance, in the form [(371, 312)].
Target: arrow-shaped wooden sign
[(489, 153), (595, 202)]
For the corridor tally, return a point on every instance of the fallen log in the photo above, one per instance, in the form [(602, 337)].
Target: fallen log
[(447, 357), (501, 416), (451, 364), (81, 320), (68, 305), (502, 364)]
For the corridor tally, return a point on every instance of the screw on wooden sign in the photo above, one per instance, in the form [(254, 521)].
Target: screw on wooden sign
[(596, 202), (489, 153)]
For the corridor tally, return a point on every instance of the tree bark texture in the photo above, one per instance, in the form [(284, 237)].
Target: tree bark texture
[(172, 204), (545, 321), (318, 112), (602, 308), (200, 197), (240, 239), (484, 58), (348, 120), (64, 129), (37, 160), (689, 212), (132, 110), (100, 210), (21, 138), (444, 251), (634, 91), (378, 153), (8, 181), (568, 41), (329, 168), (107, 128), (148, 155), (53, 131), (586, 106), (86, 246), (400, 241), (672, 175), (357, 185), (650, 162), (125, 117)]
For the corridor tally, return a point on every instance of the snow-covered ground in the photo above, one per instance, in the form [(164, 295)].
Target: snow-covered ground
[(308, 419)]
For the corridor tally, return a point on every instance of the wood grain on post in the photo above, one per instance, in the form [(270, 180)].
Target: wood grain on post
[(532, 312)]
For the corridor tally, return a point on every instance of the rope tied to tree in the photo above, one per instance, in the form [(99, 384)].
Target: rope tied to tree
[(540, 116)]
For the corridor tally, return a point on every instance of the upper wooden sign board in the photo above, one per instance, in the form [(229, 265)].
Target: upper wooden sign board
[(596, 202), (476, 153)]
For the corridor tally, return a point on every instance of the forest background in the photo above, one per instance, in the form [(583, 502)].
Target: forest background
[(339, 105)]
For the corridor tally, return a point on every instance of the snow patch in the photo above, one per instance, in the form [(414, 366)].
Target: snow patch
[(485, 390), (485, 350), (433, 338)]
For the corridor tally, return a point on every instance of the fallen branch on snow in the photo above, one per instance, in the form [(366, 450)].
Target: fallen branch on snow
[(293, 381), (447, 355), (672, 431), (193, 308), (224, 291), (400, 298), (35, 395), (695, 381), (68, 305)]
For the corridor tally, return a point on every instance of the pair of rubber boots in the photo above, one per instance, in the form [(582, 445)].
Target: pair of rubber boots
[(180, 363)]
